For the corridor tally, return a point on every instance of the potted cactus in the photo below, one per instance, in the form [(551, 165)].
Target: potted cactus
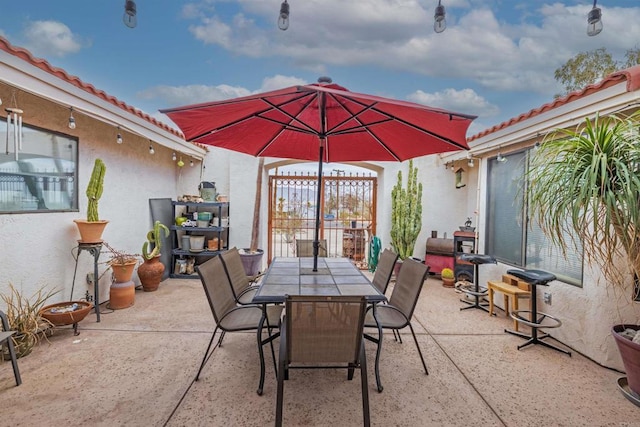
[(150, 271), (406, 213), (91, 229), (448, 279)]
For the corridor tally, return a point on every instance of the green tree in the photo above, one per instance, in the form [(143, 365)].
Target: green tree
[(592, 66)]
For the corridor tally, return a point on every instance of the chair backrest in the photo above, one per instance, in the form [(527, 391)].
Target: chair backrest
[(324, 329), (384, 270), (304, 248), (216, 286), (408, 286), (5, 332), (235, 271)]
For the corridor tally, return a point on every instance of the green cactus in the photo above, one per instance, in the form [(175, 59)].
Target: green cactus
[(406, 213), (94, 190), (154, 237)]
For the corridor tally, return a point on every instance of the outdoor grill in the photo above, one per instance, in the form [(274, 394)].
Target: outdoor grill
[(439, 254)]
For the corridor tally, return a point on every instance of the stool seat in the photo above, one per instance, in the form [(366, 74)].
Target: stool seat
[(478, 258), (533, 277)]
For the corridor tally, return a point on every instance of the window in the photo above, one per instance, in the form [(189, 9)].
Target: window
[(40, 177), (509, 238)]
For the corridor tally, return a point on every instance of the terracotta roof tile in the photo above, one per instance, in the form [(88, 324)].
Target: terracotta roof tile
[(44, 65), (631, 75)]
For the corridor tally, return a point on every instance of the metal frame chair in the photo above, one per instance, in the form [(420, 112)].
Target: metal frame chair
[(243, 290), (384, 270), (398, 313), (323, 332), (230, 317), (5, 339)]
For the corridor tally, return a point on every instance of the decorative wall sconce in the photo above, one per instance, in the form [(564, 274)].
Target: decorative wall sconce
[(129, 17), (283, 17), (439, 21), (594, 20), (459, 178), (72, 120)]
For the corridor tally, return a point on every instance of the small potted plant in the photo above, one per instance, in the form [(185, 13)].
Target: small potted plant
[(150, 271), (122, 263), (24, 317), (448, 278), (91, 229)]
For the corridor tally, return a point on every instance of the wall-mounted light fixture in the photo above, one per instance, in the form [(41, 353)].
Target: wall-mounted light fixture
[(129, 16), (594, 20), (119, 136), (151, 150), (72, 120), (283, 17), (439, 21)]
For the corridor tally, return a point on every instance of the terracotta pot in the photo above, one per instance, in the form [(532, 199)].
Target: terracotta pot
[(66, 317), (150, 273), (630, 353), (123, 272), (448, 283), (90, 232), (122, 295)]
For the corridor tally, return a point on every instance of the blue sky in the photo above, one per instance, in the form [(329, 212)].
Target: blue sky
[(496, 58)]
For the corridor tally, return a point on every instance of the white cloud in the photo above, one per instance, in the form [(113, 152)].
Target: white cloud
[(461, 101), (52, 38)]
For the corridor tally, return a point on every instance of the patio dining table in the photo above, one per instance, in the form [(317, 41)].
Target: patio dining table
[(295, 276)]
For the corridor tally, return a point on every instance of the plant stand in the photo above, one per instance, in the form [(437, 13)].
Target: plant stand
[(93, 249)]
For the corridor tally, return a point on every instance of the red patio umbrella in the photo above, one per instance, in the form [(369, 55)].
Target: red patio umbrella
[(323, 122)]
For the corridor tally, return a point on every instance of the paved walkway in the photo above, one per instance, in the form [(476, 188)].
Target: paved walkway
[(136, 368)]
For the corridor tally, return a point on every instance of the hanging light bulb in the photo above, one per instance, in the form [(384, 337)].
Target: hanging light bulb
[(470, 163), (72, 120), (501, 158), (594, 20), (174, 157), (180, 162), (283, 18), (439, 23), (119, 136), (191, 163), (129, 17), (151, 150)]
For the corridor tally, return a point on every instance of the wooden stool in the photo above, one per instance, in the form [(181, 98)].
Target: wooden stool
[(509, 291)]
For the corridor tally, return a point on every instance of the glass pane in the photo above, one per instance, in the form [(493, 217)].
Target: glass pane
[(542, 255), (504, 209), (37, 174)]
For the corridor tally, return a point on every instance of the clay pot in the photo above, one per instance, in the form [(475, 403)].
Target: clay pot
[(123, 272), (90, 232), (122, 295), (630, 353), (150, 273)]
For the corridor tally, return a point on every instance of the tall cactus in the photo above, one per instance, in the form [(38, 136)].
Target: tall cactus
[(94, 190), (406, 213), (154, 237)]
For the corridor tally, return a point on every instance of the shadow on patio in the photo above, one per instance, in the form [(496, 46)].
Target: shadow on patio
[(136, 367)]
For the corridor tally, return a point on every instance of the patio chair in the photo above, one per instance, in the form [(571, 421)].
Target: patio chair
[(243, 290), (304, 248), (323, 332), (5, 339), (230, 317), (384, 270), (398, 313)]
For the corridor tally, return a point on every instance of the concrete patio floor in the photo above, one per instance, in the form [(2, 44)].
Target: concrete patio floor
[(137, 367)]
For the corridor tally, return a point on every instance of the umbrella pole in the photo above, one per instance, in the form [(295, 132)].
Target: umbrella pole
[(316, 239)]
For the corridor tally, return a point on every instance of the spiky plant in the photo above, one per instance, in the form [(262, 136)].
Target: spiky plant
[(585, 184), (154, 238), (406, 213), (94, 190)]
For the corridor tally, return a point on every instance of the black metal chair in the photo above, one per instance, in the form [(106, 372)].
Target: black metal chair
[(5, 339), (323, 332), (474, 289), (537, 320)]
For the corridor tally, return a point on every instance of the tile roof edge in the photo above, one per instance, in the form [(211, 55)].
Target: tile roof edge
[(631, 75), (44, 65)]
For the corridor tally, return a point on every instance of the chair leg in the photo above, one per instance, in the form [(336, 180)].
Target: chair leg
[(14, 361), (377, 364), (418, 347), (365, 386), (206, 353), (261, 353), (282, 372)]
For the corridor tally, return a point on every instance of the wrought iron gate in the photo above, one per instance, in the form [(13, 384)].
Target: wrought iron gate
[(347, 215)]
